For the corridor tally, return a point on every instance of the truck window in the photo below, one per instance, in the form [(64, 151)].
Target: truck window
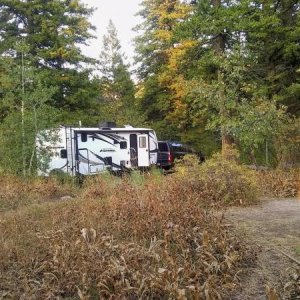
[(163, 147)]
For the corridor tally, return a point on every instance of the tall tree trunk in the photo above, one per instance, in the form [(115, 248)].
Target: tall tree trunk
[(219, 44), (34, 142), (23, 119)]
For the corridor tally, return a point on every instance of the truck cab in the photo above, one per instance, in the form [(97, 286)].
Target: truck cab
[(168, 152)]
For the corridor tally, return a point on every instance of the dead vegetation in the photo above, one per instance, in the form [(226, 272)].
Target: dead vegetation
[(157, 249), (144, 236), (16, 192), (292, 286), (137, 237), (279, 183), (218, 181)]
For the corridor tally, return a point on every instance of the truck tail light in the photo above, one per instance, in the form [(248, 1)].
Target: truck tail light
[(170, 157)]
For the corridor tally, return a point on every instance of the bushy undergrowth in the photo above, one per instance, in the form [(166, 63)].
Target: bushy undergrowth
[(16, 191), (279, 183), (152, 240), (144, 236), (219, 181)]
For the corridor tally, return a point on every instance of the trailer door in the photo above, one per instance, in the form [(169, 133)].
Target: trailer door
[(143, 151)]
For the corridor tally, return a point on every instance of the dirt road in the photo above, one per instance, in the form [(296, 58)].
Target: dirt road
[(271, 227)]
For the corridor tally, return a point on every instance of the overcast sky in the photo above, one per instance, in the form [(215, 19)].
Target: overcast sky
[(121, 12)]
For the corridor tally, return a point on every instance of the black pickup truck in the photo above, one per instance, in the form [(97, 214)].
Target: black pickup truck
[(169, 151)]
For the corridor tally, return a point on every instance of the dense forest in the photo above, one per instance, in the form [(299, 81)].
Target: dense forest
[(213, 74)]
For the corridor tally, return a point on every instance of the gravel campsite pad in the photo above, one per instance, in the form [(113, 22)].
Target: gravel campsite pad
[(273, 228)]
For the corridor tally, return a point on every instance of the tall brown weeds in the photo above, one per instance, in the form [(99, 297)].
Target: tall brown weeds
[(279, 183), (219, 181), (16, 192), (144, 236), (152, 240)]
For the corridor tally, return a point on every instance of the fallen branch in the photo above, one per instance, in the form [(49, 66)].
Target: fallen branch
[(290, 257)]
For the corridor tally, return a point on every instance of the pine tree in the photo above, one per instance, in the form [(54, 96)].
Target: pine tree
[(157, 53), (211, 27), (229, 78), (273, 37), (208, 69), (53, 31), (118, 91)]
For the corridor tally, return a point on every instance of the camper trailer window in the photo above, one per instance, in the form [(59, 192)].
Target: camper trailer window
[(123, 145), (63, 153), (142, 142), (83, 137)]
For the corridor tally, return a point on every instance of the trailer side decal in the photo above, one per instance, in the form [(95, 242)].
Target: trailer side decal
[(97, 137)]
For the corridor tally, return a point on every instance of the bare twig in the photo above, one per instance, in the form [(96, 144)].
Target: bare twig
[(289, 256)]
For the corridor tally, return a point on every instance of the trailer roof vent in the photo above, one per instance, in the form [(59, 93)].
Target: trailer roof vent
[(128, 126), (107, 125)]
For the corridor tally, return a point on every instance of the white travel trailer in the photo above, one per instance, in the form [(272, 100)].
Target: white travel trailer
[(87, 151)]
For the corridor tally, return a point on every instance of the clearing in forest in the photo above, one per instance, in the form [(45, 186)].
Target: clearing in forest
[(273, 228)]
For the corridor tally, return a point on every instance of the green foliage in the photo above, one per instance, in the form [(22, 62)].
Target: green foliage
[(216, 70), (117, 88), (25, 111), (271, 32), (161, 86), (288, 143), (11, 150), (137, 178), (43, 81), (156, 174), (202, 140), (210, 73), (52, 29), (52, 32)]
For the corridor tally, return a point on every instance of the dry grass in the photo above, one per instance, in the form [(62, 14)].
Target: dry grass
[(16, 192), (292, 287), (279, 183), (135, 238), (139, 237)]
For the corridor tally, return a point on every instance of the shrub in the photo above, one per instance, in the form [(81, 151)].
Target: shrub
[(218, 181), (145, 236), (280, 182)]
